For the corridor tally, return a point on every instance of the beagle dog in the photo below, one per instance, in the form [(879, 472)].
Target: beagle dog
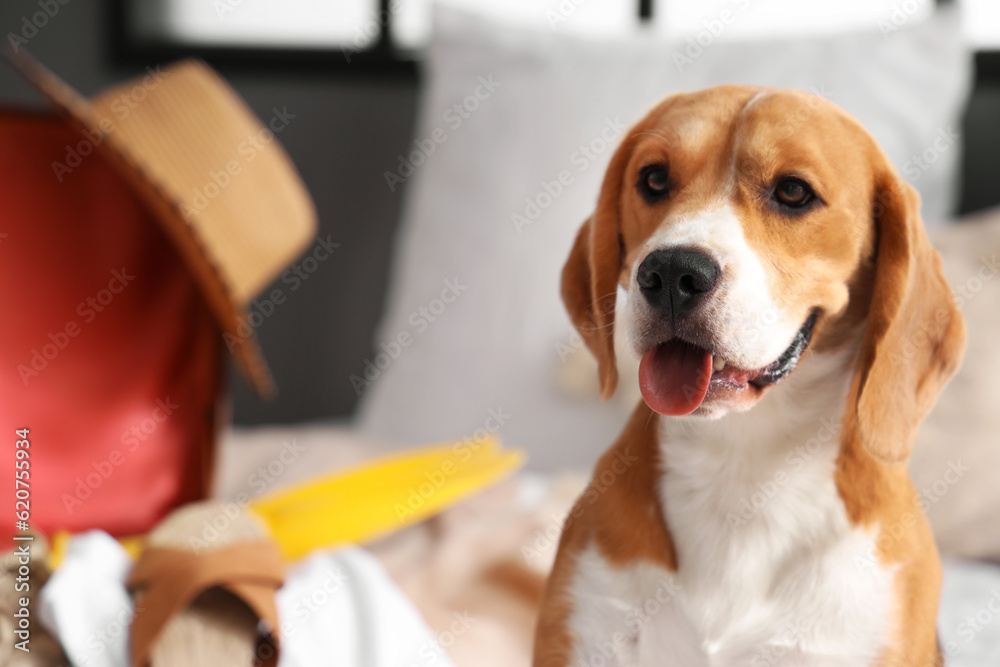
[(793, 327)]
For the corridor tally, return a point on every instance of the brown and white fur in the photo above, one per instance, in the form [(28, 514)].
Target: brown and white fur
[(775, 525)]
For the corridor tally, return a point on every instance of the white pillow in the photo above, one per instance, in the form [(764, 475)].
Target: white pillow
[(534, 105)]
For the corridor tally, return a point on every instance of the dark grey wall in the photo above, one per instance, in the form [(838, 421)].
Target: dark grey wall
[(980, 164), (347, 130)]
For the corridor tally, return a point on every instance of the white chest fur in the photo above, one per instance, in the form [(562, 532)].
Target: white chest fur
[(767, 560)]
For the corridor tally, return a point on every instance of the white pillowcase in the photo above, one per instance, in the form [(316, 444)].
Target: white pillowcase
[(534, 106)]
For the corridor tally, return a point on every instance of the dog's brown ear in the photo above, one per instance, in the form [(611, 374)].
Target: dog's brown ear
[(590, 277), (915, 334), (591, 307)]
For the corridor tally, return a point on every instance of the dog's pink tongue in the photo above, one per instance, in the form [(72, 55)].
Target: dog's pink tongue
[(674, 377)]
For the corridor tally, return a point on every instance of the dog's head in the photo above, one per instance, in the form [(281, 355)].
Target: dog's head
[(747, 226)]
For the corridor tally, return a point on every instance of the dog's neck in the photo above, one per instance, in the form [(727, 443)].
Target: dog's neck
[(745, 491)]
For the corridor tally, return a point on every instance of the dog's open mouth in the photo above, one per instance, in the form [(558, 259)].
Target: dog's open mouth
[(675, 376)]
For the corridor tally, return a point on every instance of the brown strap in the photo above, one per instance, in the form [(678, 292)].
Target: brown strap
[(172, 578)]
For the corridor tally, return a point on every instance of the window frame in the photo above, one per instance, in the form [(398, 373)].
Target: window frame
[(381, 59)]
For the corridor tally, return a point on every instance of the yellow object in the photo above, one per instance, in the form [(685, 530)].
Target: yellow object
[(379, 497), (368, 501), (60, 541)]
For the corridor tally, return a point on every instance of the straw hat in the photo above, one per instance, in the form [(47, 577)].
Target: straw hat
[(215, 178)]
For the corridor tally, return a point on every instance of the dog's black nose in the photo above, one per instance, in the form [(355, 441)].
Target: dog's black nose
[(675, 281)]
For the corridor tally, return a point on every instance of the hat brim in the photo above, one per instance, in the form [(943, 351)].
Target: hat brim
[(168, 146)]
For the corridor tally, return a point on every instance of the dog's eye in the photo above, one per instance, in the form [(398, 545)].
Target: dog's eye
[(793, 193), (654, 181)]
